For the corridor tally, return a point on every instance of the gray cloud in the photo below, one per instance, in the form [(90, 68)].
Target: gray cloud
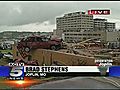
[(20, 13)]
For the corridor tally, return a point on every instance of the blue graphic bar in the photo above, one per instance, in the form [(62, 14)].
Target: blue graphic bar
[(114, 71), (4, 71)]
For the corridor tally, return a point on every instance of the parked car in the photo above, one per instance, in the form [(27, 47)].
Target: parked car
[(34, 42)]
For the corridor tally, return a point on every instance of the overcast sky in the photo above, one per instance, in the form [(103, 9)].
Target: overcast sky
[(40, 16)]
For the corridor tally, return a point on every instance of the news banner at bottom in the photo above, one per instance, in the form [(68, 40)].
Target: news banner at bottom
[(19, 71)]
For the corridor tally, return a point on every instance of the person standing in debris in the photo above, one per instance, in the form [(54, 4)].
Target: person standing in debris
[(1, 55)]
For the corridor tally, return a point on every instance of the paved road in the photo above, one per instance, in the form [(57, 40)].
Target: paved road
[(75, 83)]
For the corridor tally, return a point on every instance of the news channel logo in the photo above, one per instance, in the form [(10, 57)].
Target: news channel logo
[(17, 71)]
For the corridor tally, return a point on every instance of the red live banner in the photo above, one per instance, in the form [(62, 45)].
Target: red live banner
[(98, 12)]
